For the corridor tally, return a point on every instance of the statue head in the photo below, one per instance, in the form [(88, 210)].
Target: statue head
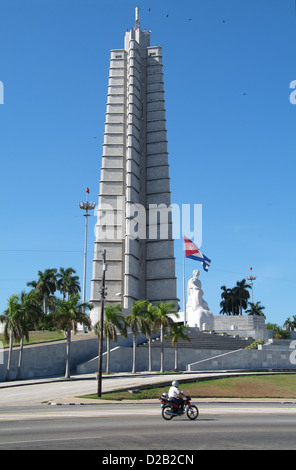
[(195, 274)]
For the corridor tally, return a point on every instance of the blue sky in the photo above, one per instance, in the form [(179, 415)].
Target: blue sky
[(228, 65)]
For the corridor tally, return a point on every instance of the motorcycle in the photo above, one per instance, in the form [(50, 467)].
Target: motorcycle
[(170, 409)]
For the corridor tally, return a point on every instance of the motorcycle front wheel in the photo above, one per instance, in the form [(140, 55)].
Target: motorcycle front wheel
[(192, 412), (166, 412)]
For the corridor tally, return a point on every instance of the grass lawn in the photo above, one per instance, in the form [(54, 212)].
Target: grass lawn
[(39, 337), (262, 386)]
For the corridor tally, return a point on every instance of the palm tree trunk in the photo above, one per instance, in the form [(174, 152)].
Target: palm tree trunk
[(19, 368), (108, 355), (161, 350), (149, 354), (45, 304), (176, 357), (9, 356), (67, 372), (134, 353)]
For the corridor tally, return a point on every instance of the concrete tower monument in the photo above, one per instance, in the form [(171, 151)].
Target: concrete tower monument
[(134, 181)]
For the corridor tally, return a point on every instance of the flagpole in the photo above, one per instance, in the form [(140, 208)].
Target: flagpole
[(184, 289)]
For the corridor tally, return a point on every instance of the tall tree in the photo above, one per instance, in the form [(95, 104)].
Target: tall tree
[(164, 321), (113, 320), (256, 309), (10, 318), (137, 323), (29, 312), (235, 300), (242, 293), (67, 315), (177, 332), (150, 328), (67, 283), (46, 285), (224, 304), (290, 325)]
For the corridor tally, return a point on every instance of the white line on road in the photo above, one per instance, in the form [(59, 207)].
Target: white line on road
[(82, 413), (62, 439)]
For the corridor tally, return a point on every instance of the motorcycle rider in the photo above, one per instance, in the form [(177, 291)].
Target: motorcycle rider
[(174, 395)]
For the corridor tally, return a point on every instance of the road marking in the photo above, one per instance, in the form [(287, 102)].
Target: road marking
[(13, 429), (50, 440), (83, 413), (76, 414), (257, 410)]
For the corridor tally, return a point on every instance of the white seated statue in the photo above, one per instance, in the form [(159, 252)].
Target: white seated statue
[(198, 313)]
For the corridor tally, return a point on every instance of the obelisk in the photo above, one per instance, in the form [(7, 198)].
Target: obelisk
[(134, 181)]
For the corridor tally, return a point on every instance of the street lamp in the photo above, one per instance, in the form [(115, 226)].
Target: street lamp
[(86, 206), (103, 293), (251, 278)]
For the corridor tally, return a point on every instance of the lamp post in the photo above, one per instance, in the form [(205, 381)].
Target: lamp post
[(101, 339), (86, 206), (251, 278)]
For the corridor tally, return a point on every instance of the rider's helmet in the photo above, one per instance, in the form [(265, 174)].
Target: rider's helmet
[(175, 383)]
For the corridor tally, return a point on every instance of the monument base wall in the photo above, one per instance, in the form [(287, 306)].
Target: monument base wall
[(247, 359), (48, 360), (238, 322)]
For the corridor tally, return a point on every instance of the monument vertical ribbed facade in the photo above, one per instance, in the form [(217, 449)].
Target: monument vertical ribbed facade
[(135, 181)]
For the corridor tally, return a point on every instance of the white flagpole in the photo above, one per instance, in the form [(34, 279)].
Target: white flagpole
[(184, 288)]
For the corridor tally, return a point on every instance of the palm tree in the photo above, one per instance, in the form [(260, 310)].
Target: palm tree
[(234, 299), (150, 327), (290, 325), (46, 285), (163, 321), (114, 320), (255, 309), (67, 315), (242, 294), (178, 331), (66, 283), (136, 321), (224, 304), (233, 302), (229, 304), (10, 318), (29, 312)]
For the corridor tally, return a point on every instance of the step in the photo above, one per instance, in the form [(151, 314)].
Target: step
[(204, 340)]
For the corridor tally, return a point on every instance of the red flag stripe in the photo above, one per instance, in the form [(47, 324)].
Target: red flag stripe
[(190, 248)]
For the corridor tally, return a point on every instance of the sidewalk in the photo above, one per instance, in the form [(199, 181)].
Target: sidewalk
[(157, 377), (67, 390)]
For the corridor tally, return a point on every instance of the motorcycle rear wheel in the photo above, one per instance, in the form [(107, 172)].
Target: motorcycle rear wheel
[(166, 412), (192, 412)]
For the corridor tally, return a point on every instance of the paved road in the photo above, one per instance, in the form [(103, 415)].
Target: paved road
[(28, 422), (140, 427)]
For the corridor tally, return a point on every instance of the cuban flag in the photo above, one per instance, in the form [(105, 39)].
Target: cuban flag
[(191, 251)]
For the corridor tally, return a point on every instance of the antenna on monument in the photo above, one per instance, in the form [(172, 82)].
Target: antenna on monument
[(137, 18)]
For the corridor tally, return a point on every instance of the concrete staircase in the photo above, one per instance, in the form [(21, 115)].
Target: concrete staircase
[(205, 340)]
